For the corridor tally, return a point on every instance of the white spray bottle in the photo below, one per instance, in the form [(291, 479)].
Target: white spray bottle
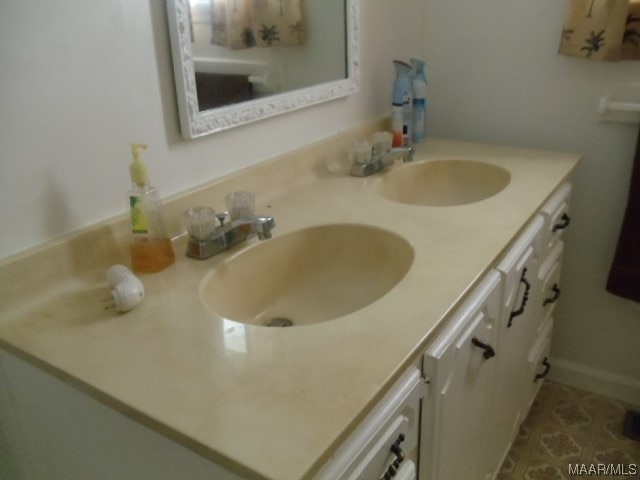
[(419, 100)]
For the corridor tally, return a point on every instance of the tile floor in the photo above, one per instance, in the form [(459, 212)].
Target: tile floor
[(570, 426)]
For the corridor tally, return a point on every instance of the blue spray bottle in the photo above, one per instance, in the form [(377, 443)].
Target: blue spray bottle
[(402, 106), (419, 100)]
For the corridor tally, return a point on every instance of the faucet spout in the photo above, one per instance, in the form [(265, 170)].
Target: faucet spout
[(255, 225), (227, 235), (380, 161), (406, 153)]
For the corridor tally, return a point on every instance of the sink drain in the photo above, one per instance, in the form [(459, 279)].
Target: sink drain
[(278, 322)]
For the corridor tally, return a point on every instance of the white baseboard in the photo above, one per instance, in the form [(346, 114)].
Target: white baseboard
[(595, 381)]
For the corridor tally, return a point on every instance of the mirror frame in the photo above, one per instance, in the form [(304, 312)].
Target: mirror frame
[(194, 123)]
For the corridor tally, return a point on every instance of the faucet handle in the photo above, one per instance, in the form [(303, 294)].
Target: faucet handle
[(200, 222), (382, 142), (240, 204)]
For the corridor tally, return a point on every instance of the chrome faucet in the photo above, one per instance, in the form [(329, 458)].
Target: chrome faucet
[(381, 160), (226, 235)]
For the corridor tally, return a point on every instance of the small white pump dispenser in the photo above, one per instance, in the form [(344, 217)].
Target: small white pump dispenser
[(151, 248), (127, 291)]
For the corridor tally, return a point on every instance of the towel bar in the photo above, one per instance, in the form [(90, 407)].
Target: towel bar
[(620, 103)]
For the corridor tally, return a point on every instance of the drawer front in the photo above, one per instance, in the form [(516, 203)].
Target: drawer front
[(538, 364), (388, 434), (550, 290), (555, 214), (384, 452)]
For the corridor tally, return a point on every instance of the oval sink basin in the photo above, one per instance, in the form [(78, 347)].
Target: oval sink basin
[(308, 276), (442, 183)]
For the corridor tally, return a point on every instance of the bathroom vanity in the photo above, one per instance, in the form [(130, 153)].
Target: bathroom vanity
[(484, 370), (449, 308)]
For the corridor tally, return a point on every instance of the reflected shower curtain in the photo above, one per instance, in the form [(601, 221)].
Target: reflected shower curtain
[(238, 24), (602, 30)]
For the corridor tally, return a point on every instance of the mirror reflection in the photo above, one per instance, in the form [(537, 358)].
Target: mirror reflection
[(248, 49), (241, 60)]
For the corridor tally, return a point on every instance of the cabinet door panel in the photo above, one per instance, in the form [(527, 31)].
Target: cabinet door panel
[(520, 257), (516, 336), (463, 398), (454, 430)]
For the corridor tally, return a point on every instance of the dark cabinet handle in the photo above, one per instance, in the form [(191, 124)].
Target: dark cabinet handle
[(525, 298), (547, 367), (395, 465), (565, 220), (488, 349), (556, 294)]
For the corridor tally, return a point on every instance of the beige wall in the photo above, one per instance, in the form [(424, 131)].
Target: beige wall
[(79, 80)]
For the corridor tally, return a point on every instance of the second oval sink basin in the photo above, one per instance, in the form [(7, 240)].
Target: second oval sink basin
[(444, 182), (308, 276)]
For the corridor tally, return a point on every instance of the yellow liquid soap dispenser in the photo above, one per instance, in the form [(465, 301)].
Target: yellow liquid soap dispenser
[(151, 248)]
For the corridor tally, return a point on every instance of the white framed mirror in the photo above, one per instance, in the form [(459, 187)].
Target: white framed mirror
[(229, 73)]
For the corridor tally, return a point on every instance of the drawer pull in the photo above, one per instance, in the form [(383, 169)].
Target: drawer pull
[(547, 367), (564, 223), (488, 349), (525, 298), (556, 294), (395, 465)]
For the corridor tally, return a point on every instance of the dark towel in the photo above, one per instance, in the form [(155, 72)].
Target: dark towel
[(624, 277)]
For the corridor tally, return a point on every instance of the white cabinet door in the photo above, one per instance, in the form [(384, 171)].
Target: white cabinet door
[(516, 336), (459, 366)]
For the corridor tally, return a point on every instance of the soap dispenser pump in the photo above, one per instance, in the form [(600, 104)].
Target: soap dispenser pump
[(151, 248)]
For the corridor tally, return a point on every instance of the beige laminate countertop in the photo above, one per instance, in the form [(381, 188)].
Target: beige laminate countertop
[(240, 394)]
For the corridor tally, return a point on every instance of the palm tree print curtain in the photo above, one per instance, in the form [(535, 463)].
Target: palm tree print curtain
[(602, 30), (237, 24)]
